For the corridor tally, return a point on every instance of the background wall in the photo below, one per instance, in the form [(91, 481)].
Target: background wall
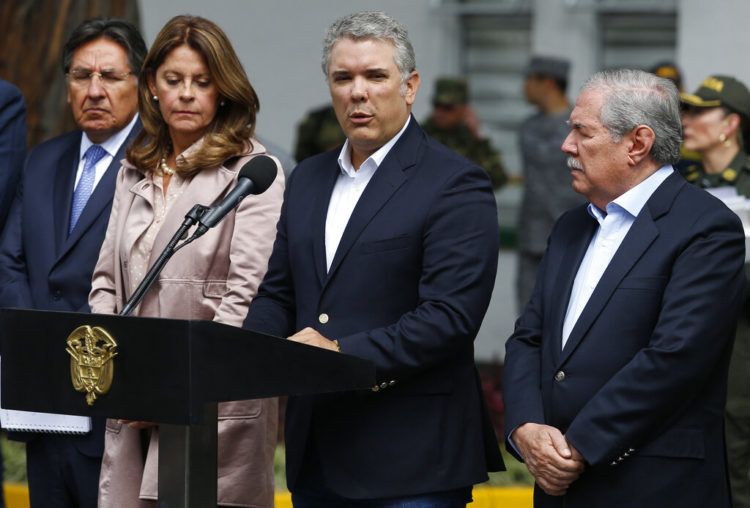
[(280, 45), (713, 38)]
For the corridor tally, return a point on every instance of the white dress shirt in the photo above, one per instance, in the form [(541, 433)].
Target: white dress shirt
[(348, 189), (613, 226), (111, 146)]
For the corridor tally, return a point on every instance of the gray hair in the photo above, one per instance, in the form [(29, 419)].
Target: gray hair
[(634, 97), (372, 25)]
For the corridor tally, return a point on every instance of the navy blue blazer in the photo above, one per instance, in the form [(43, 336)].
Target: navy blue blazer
[(407, 290), (42, 266), (12, 144), (640, 387)]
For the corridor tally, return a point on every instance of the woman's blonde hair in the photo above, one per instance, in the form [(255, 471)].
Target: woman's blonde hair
[(234, 122)]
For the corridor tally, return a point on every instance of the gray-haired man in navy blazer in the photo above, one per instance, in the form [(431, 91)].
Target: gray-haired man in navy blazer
[(615, 377), (386, 250)]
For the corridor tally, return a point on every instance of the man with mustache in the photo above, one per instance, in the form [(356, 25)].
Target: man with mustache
[(386, 250), (57, 223), (615, 376)]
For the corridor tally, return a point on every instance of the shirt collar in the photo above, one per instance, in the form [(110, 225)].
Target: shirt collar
[(111, 145), (345, 156), (634, 199)]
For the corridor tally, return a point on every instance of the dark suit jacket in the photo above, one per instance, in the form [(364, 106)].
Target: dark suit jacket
[(12, 144), (639, 388), (41, 266), (407, 290)]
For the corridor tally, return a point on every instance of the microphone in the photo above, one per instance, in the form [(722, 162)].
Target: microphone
[(255, 177)]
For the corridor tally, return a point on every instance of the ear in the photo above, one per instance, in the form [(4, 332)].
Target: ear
[(412, 86), (732, 122), (641, 141), (151, 84)]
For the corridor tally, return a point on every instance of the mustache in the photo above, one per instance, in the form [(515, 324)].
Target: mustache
[(574, 164)]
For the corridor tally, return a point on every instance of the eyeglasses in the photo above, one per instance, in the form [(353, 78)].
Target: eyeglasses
[(109, 77)]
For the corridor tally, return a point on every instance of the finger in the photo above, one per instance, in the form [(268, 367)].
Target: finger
[(559, 442), (551, 488)]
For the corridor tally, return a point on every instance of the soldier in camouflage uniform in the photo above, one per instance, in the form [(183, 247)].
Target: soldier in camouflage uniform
[(715, 122), (452, 124), (318, 132)]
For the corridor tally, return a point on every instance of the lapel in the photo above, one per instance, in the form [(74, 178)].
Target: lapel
[(563, 286), (207, 187), (389, 176), (642, 234), (100, 199), (331, 172), (62, 194)]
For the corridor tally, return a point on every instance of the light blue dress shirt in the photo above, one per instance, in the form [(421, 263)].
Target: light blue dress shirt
[(613, 226)]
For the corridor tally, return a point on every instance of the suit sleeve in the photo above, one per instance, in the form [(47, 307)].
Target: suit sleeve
[(460, 242), (272, 311), (12, 144), (14, 281), (252, 241), (692, 335), (522, 367), (103, 297)]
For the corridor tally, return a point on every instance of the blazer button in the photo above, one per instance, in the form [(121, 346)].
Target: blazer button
[(383, 385), (323, 318), (375, 388), (560, 376), (391, 382)]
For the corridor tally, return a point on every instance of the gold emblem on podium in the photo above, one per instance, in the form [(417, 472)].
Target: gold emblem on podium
[(91, 352)]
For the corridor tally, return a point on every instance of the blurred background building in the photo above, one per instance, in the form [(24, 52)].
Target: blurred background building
[(487, 41)]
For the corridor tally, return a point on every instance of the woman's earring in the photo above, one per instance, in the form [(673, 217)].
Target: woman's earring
[(222, 103), (723, 140), (156, 99)]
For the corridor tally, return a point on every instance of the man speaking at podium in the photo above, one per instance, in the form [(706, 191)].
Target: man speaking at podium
[(386, 250), (57, 223)]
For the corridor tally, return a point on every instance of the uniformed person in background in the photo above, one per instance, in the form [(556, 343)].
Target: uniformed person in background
[(318, 132), (454, 124), (668, 70), (716, 121), (547, 191)]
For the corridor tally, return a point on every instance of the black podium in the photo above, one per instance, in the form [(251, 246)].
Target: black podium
[(172, 372)]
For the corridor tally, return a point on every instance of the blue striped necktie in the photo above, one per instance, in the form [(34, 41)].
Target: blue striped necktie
[(85, 186)]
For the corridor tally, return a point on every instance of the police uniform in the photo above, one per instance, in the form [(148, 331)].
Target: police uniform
[(454, 92), (727, 92), (547, 192)]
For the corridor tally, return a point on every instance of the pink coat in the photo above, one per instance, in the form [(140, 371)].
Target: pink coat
[(214, 278)]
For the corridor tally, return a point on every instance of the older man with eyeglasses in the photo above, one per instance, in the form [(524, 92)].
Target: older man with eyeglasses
[(57, 224)]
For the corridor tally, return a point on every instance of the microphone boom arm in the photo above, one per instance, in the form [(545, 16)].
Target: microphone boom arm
[(192, 217)]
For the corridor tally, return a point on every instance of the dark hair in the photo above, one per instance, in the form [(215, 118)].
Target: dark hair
[(120, 31), (231, 129), (562, 84)]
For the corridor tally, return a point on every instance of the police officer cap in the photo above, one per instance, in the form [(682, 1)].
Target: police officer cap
[(670, 71), (451, 91), (720, 90), (548, 66)]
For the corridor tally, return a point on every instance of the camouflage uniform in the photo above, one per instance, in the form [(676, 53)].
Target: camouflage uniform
[(318, 132), (728, 92), (462, 141), (454, 92)]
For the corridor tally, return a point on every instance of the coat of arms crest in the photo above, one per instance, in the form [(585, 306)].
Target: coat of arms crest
[(91, 352)]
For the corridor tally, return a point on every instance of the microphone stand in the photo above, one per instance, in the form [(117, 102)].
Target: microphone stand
[(192, 217)]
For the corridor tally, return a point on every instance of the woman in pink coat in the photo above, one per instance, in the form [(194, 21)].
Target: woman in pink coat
[(198, 111)]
